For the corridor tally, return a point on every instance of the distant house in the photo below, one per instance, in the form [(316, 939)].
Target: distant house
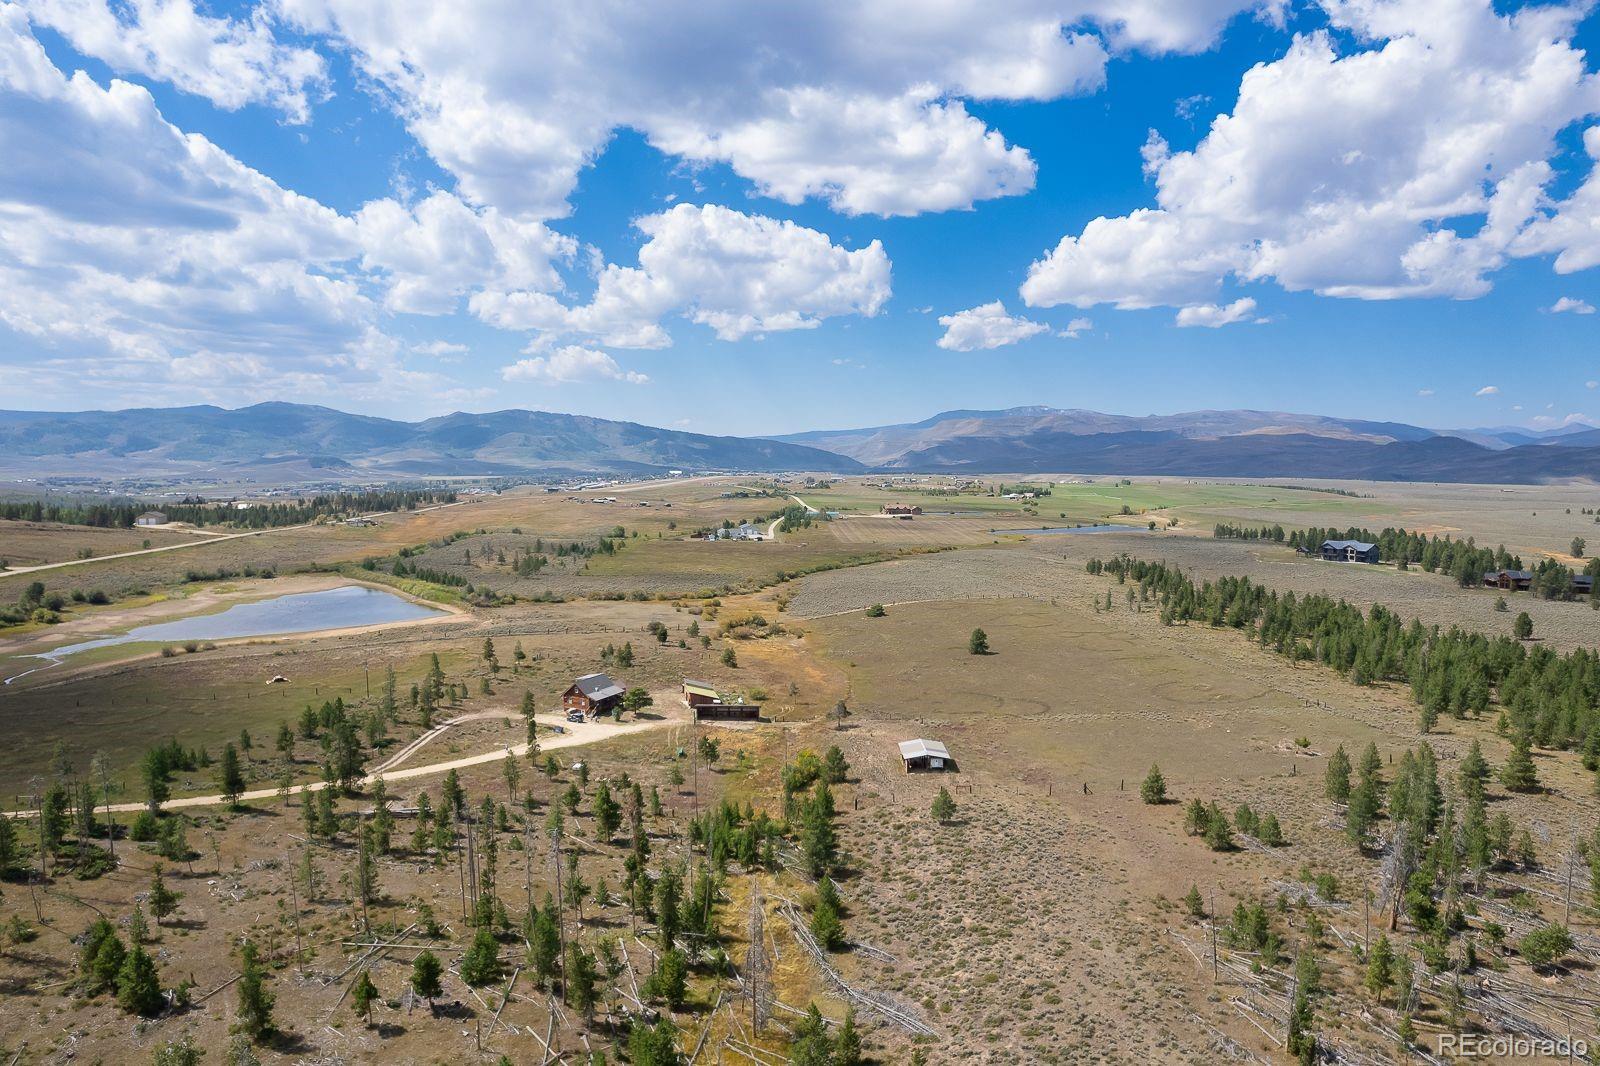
[(359, 521), (151, 518), (901, 509), (746, 531), (709, 705), (592, 694), (1510, 580), (922, 756), (1582, 583), (1349, 551)]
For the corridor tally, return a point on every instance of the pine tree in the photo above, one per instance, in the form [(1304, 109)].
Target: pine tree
[(139, 984), (1193, 903), (582, 981), (481, 964), (1219, 836), (978, 643), (255, 1002), (1154, 788), (362, 995), (1380, 968), (670, 981), (425, 972), (544, 946), (944, 808), (1519, 774), (847, 1045), (825, 923), (163, 901)]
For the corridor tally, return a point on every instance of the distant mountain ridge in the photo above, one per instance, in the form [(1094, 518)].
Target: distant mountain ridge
[(1241, 443), (288, 443), (305, 442)]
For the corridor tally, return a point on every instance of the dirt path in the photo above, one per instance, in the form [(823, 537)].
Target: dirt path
[(576, 736), (772, 530)]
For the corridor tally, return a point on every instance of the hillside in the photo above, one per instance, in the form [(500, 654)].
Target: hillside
[(1213, 444), (286, 441)]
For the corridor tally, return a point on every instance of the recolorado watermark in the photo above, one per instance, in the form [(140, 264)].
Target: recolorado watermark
[(1503, 1046)]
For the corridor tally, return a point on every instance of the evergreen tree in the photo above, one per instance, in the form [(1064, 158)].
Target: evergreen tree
[(1154, 788), (1522, 628), (978, 643), (362, 995), (163, 900), (1380, 968), (425, 972), (944, 808), (481, 964), (255, 1002), (544, 946), (139, 984), (670, 981), (811, 1045), (825, 923), (582, 982), (847, 1045), (1219, 836), (1519, 774)]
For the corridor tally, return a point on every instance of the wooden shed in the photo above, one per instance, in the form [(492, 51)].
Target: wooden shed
[(698, 692), (592, 694), (727, 712), (925, 756)]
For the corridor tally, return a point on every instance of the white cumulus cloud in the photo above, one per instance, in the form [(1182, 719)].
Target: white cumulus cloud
[(1488, 390), (986, 326), (570, 363), (1572, 305), (1212, 315), (739, 274), (861, 103), (230, 61), (1342, 168)]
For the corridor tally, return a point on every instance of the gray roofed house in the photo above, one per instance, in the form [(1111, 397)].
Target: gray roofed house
[(592, 694), (1349, 551), (918, 755)]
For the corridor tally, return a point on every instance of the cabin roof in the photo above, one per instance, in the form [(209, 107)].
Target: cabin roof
[(918, 749), (597, 686)]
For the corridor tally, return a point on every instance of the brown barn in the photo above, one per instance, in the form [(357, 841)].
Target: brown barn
[(708, 704), (901, 510), (592, 694)]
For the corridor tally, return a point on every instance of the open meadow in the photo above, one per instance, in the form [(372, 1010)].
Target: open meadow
[(1051, 854)]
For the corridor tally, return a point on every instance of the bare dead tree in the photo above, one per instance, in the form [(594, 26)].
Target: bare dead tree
[(757, 967)]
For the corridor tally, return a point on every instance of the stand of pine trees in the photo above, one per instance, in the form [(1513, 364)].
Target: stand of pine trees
[(1550, 697)]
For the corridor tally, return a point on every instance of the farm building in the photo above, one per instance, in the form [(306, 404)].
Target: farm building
[(901, 510), (697, 692), (920, 756), (151, 518), (1349, 551), (1510, 580), (710, 705), (592, 694)]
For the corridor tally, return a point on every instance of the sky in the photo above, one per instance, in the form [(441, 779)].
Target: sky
[(765, 218)]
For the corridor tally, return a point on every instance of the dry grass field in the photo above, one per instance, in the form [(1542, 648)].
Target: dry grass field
[(1042, 923), (35, 543)]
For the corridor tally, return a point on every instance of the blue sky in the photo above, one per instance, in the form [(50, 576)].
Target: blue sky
[(717, 219)]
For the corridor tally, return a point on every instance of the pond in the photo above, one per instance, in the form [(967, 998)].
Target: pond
[(300, 612), (1104, 528)]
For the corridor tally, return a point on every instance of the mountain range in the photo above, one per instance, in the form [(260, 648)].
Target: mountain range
[(1215, 444), (298, 442), (289, 443)]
